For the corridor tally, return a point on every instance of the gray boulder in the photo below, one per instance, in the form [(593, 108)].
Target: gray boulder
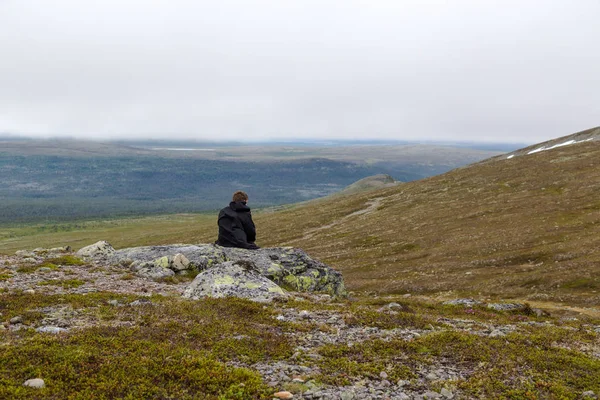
[(238, 279), (98, 251), (288, 267)]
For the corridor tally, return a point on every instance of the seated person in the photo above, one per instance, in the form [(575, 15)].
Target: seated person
[(236, 228)]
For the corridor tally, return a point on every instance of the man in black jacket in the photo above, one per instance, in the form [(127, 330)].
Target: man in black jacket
[(236, 228)]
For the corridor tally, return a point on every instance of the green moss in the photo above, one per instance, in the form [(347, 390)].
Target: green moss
[(67, 283), (5, 276), (66, 260)]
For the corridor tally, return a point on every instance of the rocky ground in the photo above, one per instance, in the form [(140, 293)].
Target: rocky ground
[(321, 321)]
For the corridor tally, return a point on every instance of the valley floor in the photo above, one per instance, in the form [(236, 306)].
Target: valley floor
[(99, 331)]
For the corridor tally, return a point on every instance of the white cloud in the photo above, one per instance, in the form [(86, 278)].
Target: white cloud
[(462, 70)]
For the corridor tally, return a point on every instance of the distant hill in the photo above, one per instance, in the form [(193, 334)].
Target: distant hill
[(370, 183), (62, 179), (524, 226)]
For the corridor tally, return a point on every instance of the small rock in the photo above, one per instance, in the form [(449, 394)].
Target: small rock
[(51, 329), (304, 314), (140, 302), (446, 393), (283, 395), (180, 262), (383, 375), (2, 327), (280, 318), (29, 291), (45, 269), (16, 320), (350, 395), (113, 302), (402, 383), (35, 383), (497, 333), (432, 395), (298, 380), (406, 295), (431, 376), (589, 395)]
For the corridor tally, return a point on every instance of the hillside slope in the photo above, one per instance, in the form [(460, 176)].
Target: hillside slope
[(525, 227)]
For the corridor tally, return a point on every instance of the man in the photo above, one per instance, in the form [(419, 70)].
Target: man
[(236, 228)]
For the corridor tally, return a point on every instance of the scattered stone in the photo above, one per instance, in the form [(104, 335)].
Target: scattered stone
[(50, 329), (24, 253), (140, 302), (463, 302), (283, 395), (304, 314), (497, 333), (589, 395), (45, 269), (348, 395), (505, 306), (446, 393), (432, 376), (383, 375), (36, 383), (16, 320), (298, 380), (113, 302), (29, 291), (280, 318), (431, 395)]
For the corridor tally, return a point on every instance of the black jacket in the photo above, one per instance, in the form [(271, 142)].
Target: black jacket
[(236, 228)]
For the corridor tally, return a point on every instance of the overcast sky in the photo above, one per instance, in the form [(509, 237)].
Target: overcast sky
[(525, 70)]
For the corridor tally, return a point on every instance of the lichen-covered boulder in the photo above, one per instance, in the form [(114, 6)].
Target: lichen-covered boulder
[(234, 279), (291, 268), (98, 251), (288, 267)]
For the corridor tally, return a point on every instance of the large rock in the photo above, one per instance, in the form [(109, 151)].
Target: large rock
[(290, 268), (238, 279), (101, 250)]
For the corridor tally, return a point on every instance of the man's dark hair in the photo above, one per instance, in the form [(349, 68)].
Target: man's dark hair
[(240, 196)]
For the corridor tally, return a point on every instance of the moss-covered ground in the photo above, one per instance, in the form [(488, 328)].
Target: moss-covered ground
[(126, 346)]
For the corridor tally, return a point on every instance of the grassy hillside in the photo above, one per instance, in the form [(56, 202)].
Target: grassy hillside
[(526, 227)]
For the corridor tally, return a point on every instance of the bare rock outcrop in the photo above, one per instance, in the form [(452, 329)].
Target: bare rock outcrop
[(287, 267)]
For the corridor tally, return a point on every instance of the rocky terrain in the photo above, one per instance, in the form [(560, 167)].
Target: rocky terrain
[(301, 343)]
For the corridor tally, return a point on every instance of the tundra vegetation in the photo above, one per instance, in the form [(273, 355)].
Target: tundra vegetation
[(518, 235)]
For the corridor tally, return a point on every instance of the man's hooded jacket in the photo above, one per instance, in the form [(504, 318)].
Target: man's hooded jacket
[(236, 228)]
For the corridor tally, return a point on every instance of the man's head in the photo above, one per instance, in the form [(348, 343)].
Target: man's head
[(240, 196)]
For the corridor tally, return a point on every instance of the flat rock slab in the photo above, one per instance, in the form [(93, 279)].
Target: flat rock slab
[(233, 279)]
